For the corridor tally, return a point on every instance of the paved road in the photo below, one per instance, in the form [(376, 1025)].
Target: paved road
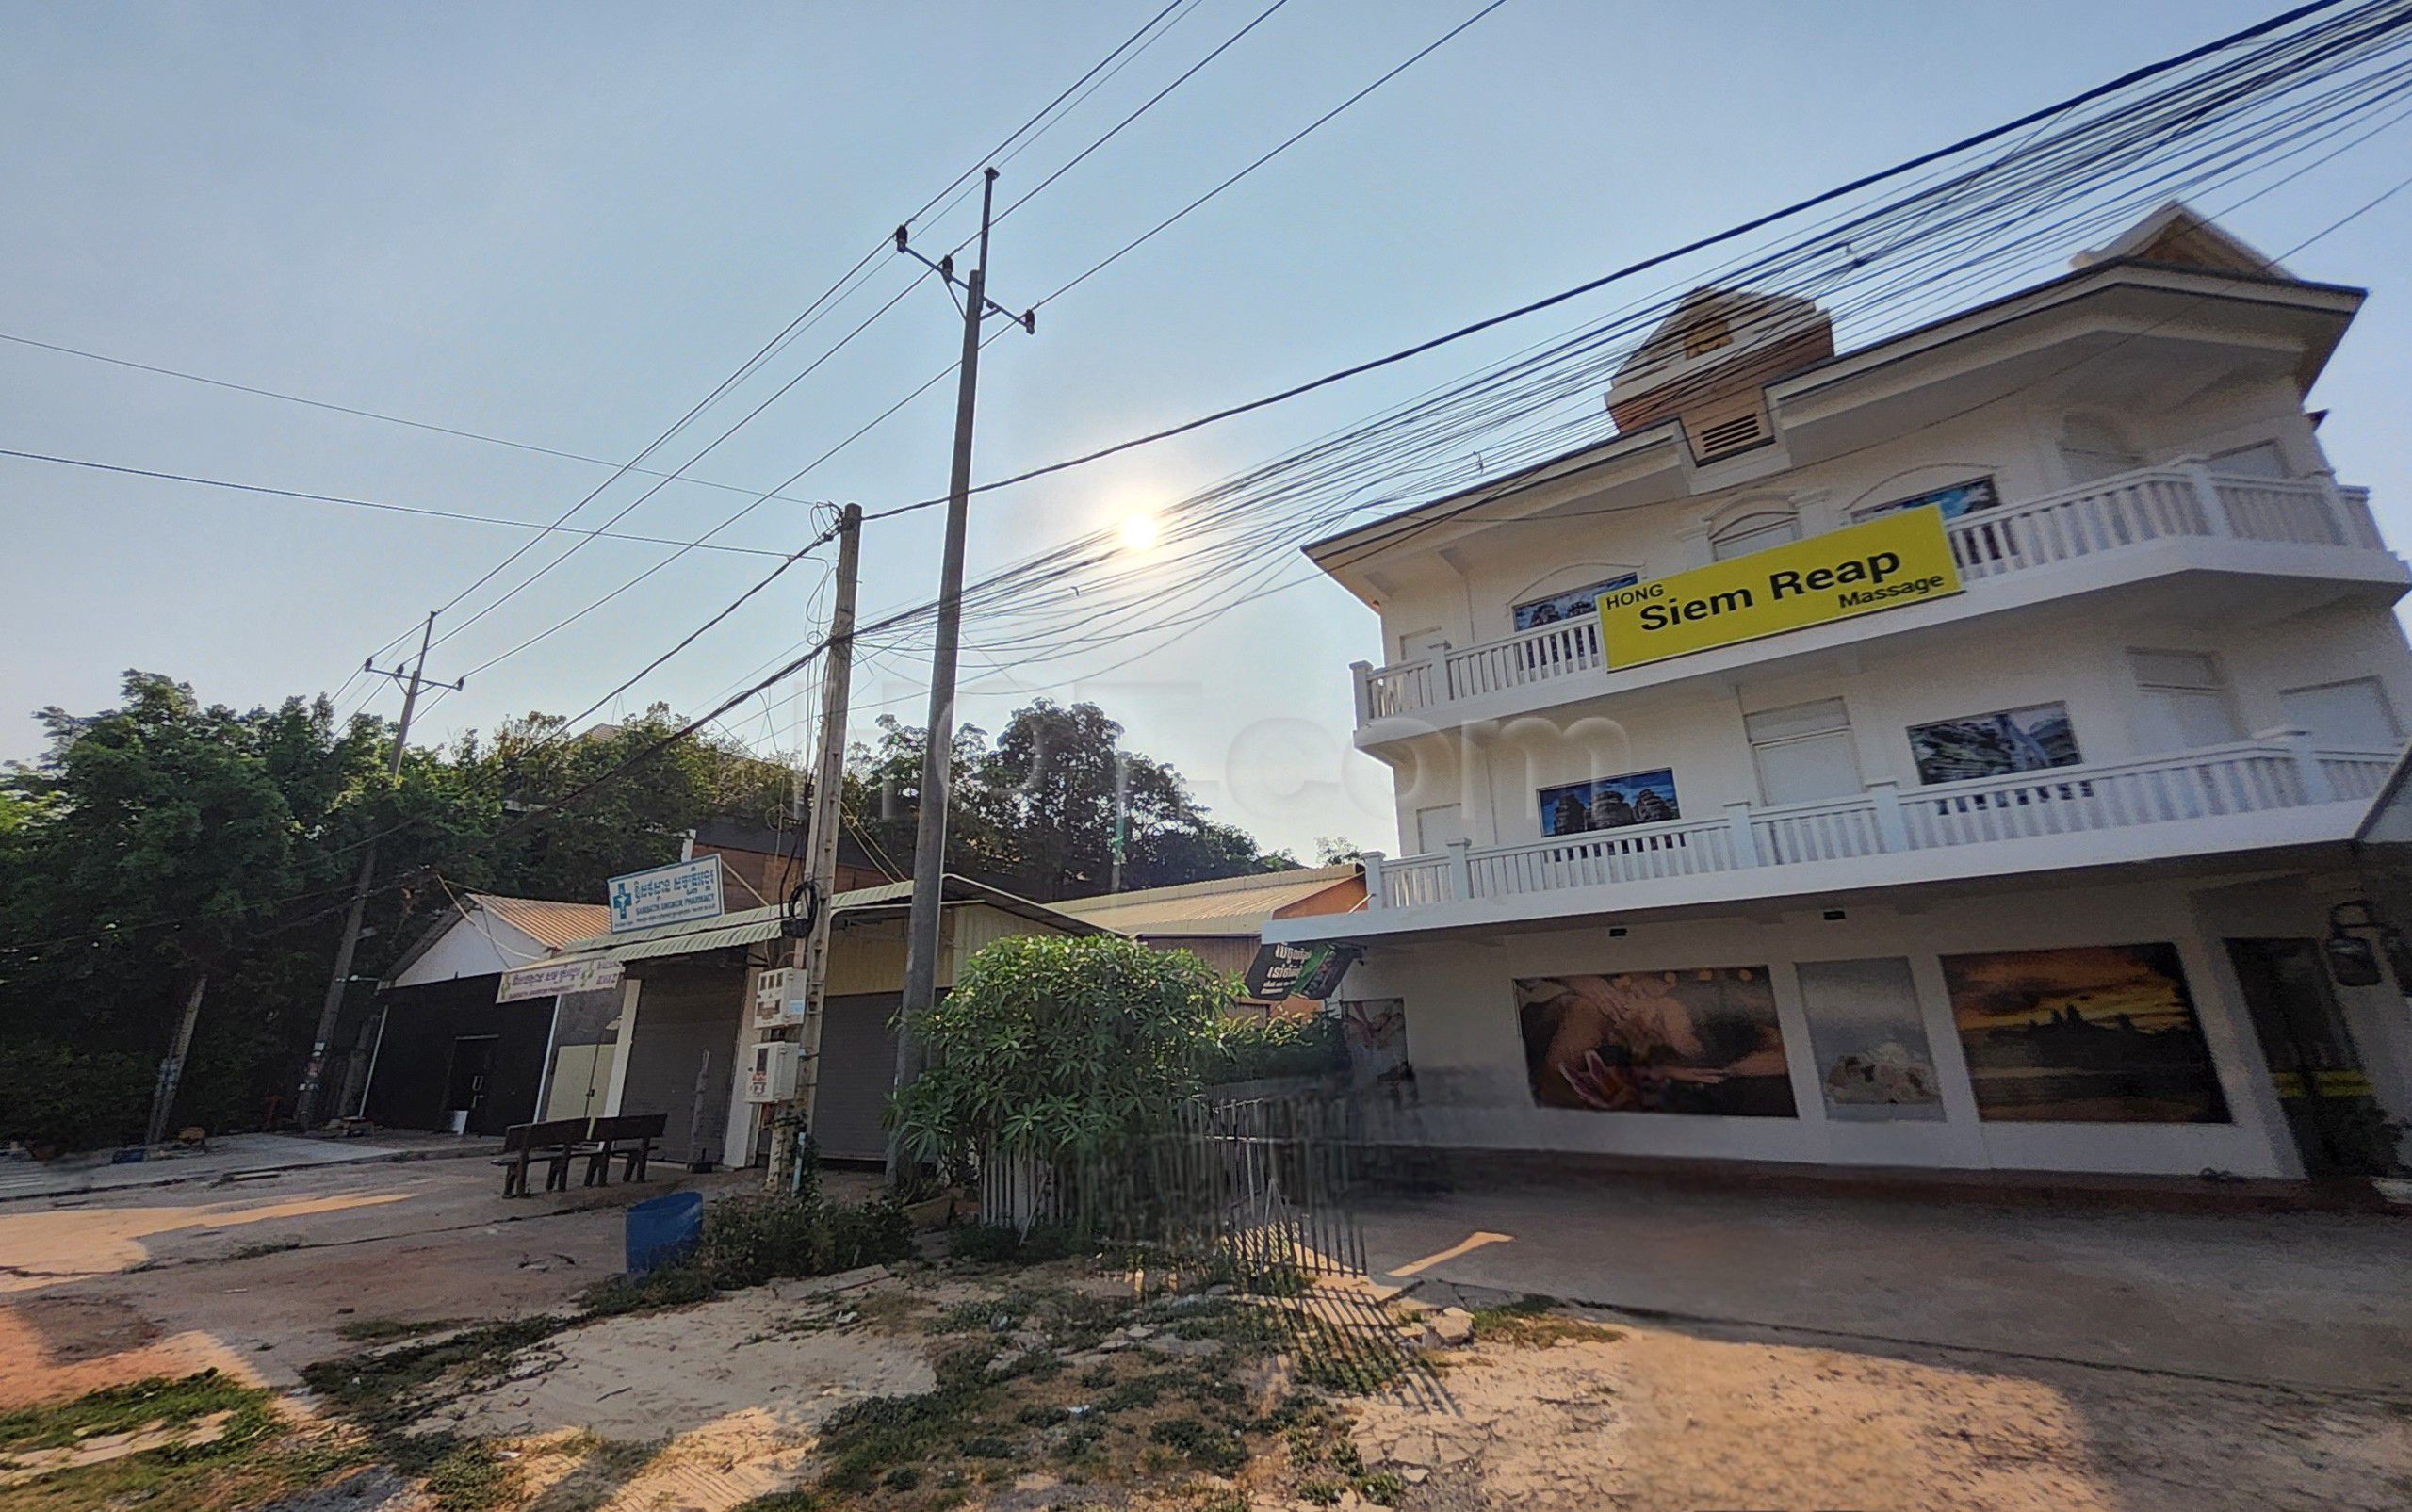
[(230, 1157), (2322, 1300)]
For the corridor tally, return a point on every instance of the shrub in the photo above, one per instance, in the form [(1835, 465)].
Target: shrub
[(1063, 1048), (876, 1232), (747, 1240), (1004, 1244), (1246, 1050), (758, 1236), (51, 1094)]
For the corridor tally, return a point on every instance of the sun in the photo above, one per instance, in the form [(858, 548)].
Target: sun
[(1139, 531)]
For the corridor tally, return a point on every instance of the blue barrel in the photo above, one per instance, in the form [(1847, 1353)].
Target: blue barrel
[(663, 1230)]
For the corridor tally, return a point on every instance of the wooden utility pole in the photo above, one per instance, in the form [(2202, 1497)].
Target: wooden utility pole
[(809, 953), (929, 842), (305, 1103)]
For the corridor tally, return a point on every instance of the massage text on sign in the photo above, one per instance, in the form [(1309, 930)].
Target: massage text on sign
[(1891, 560)]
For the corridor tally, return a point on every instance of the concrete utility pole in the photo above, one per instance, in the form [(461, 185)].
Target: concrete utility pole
[(305, 1104), (929, 842), (171, 1071), (810, 953)]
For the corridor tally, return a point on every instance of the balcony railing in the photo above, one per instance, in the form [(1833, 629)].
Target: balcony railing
[(2186, 500), (2282, 770)]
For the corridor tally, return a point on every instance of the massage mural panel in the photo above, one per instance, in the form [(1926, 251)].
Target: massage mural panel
[(1702, 1040)]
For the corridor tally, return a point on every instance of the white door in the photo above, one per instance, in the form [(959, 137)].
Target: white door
[(1417, 644), (1437, 827)]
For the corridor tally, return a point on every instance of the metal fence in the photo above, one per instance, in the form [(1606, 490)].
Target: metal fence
[(1248, 1188)]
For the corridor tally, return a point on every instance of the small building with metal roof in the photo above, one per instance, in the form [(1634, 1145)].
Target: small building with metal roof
[(444, 1055), (1222, 920), (684, 1037)]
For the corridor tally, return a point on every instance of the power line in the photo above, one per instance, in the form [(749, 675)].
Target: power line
[(1283, 146), (359, 412), (1643, 265), (374, 504)]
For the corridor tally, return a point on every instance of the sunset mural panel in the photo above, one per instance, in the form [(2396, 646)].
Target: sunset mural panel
[(2102, 1033)]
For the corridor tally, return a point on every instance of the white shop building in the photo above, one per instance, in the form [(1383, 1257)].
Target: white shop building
[(2010, 845)]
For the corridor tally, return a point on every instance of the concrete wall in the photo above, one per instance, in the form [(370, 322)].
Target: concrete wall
[(2074, 653), (1473, 1091)]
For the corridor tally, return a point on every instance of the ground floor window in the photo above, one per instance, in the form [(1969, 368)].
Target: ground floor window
[(2101, 1034), (1701, 1040)]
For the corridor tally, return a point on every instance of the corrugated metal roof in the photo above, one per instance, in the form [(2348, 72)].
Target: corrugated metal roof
[(755, 925), (1227, 905), (549, 922)]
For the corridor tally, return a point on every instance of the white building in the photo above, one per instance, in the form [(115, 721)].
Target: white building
[(2024, 872)]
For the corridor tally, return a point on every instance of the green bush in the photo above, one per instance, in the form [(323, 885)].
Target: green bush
[(1246, 1050), (758, 1237), (1065, 1048), (51, 1094), (874, 1233), (1004, 1244)]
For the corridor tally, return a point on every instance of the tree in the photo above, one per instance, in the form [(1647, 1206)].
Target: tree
[(1037, 811), (1062, 1049), (164, 838)]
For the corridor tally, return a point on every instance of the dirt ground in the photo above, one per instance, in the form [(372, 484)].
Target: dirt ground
[(1848, 1361)]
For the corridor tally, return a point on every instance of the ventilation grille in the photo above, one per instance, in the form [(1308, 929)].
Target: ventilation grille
[(1732, 435)]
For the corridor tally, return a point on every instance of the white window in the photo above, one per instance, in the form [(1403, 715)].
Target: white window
[(1437, 827), (2094, 446), (1753, 532), (2183, 700), (2344, 716), (1803, 753)]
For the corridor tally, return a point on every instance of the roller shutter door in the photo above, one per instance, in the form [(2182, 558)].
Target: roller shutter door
[(858, 1066), (682, 1018)]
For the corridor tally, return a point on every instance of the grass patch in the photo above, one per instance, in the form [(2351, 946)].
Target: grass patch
[(257, 1455), (1208, 1446), (126, 1408), (390, 1330), (671, 1286), (1533, 1321)]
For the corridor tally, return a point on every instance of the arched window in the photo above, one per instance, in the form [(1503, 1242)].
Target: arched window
[(1753, 530), (2094, 445)]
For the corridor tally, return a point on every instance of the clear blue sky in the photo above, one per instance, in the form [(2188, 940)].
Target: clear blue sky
[(562, 223)]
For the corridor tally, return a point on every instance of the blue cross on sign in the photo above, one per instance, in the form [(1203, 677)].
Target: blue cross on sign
[(620, 900)]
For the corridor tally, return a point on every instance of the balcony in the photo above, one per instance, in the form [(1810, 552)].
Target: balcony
[(2275, 791), (2138, 525)]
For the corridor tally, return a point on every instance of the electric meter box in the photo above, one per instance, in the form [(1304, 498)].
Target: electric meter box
[(772, 1077), (779, 998)]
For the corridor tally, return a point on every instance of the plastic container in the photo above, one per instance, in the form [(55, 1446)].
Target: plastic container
[(664, 1230)]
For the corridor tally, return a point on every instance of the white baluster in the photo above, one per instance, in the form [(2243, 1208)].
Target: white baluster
[(1372, 862), (1360, 676), (1891, 834), (2308, 772), (1461, 869), (2215, 520), (1745, 846)]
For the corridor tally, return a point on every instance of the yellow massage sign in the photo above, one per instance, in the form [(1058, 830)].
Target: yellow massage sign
[(1891, 560)]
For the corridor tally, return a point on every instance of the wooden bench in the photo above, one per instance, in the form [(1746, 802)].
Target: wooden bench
[(555, 1143), (627, 1137)]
